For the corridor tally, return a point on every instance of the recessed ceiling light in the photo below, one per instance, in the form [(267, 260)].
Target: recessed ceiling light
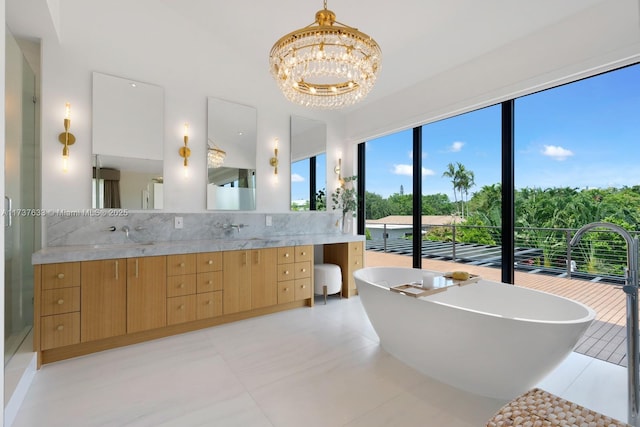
[(132, 84)]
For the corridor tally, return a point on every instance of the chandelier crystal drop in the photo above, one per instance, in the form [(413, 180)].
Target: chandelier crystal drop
[(215, 155), (325, 64)]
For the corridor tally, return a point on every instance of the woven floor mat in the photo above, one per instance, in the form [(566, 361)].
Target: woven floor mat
[(538, 408)]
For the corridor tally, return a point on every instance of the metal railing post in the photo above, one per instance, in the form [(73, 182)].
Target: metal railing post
[(568, 258), (384, 237), (453, 244)]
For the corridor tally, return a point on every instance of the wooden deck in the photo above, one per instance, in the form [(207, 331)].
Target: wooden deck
[(606, 337)]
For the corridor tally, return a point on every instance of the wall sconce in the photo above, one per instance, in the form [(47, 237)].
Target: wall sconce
[(66, 138), (338, 171), (185, 151), (274, 160)]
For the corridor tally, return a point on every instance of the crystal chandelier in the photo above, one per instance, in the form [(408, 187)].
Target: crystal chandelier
[(325, 64), (215, 156)]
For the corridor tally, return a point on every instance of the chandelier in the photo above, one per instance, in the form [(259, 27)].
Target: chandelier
[(325, 64), (215, 156)]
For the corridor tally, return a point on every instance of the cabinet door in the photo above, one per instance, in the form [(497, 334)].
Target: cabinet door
[(236, 281), (146, 293), (104, 299), (264, 277)]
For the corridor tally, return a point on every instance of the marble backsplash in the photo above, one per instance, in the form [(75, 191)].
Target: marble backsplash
[(96, 226)]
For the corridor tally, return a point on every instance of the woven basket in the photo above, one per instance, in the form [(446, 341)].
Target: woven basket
[(537, 408)]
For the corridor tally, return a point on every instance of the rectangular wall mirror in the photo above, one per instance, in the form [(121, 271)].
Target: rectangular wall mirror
[(231, 159), (128, 133), (308, 164)]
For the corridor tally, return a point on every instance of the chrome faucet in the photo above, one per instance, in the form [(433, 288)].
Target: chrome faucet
[(631, 289), (236, 226), (126, 230)]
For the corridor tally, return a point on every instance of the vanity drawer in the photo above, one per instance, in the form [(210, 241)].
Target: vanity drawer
[(304, 253), (181, 264), (62, 275), (181, 309), (58, 301), (59, 330), (209, 282), (302, 270), (209, 305), (181, 285), (209, 261), (302, 289), (286, 255), (286, 272), (356, 248), (286, 291), (357, 262)]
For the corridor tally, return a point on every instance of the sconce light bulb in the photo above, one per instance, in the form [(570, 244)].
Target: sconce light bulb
[(186, 129), (65, 163), (186, 171), (67, 111)]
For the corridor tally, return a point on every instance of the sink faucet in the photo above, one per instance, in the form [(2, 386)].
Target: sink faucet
[(126, 230), (631, 289), (236, 226)]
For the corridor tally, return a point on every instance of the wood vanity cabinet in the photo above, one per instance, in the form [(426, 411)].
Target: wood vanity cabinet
[(236, 282), (249, 279), (146, 293), (88, 306), (181, 288), (264, 277), (350, 257), (104, 299), (58, 306), (295, 273)]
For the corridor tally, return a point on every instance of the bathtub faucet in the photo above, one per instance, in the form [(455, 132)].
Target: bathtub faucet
[(631, 289)]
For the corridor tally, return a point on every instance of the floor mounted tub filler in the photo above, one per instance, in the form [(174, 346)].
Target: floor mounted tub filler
[(488, 338)]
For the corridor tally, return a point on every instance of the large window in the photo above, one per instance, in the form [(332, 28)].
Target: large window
[(576, 162)]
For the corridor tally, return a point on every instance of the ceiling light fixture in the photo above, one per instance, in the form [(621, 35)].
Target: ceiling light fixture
[(215, 155), (326, 64)]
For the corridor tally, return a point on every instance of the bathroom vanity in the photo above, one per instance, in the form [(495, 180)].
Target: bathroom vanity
[(89, 298)]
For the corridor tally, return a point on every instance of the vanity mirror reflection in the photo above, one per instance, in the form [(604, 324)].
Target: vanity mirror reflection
[(231, 159), (128, 126), (308, 164)]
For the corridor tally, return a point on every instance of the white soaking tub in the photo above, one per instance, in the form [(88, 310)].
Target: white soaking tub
[(488, 338)]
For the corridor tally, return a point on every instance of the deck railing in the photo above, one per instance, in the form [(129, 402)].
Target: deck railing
[(600, 256)]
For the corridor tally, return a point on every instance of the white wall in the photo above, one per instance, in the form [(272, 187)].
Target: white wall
[(150, 43)]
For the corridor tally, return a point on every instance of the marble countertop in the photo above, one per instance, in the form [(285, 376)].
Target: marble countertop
[(57, 254)]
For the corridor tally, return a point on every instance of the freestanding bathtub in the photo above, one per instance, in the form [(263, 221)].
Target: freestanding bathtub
[(488, 338)]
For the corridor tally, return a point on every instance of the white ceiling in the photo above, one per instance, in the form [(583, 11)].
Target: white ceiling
[(419, 38)]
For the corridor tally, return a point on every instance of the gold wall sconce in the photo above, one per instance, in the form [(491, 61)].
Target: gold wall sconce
[(185, 151), (274, 160), (338, 171), (66, 138)]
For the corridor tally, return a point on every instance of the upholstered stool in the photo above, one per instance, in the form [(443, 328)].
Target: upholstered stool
[(328, 280)]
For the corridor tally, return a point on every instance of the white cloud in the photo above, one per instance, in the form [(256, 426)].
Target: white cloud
[(408, 170), (297, 177), (403, 170), (456, 146), (556, 152)]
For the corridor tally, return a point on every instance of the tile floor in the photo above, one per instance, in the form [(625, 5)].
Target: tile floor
[(318, 366)]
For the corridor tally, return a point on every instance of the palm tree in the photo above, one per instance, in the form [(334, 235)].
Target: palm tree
[(466, 180), (452, 173)]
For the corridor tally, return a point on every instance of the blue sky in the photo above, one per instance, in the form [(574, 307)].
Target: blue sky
[(581, 135)]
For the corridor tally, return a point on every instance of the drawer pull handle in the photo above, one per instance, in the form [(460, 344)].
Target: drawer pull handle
[(116, 270), (60, 327), (208, 302), (60, 276), (210, 282), (357, 262), (181, 307), (60, 301), (182, 264), (286, 289), (303, 270), (210, 262), (303, 253), (181, 285), (286, 255), (286, 272), (303, 286)]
